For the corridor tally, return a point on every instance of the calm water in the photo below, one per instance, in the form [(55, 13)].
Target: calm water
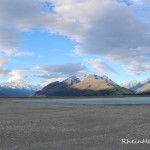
[(127, 100)]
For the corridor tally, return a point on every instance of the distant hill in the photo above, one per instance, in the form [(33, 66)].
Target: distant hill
[(138, 87), (16, 90), (89, 85)]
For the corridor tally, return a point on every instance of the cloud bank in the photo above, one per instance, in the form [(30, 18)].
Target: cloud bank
[(108, 29), (47, 74)]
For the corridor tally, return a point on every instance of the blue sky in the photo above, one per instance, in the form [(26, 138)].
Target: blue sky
[(53, 39)]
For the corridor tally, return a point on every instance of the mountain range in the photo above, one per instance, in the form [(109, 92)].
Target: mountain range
[(138, 87), (11, 89), (89, 85)]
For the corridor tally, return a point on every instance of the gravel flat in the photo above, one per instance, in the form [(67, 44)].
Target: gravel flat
[(59, 126)]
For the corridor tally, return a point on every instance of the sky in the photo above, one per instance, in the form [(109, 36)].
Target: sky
[(42, 41)]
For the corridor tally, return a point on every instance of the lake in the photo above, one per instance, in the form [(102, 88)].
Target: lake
[(125, 100)]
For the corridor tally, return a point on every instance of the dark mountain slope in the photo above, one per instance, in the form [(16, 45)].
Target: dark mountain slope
[(90, 85)]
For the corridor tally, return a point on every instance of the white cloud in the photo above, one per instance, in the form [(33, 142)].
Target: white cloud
[(99, 65), (48, 73), (62, 70), (105, 28), (15, 52), (16, 16), (19, 76), (136, 68), (3, 61)]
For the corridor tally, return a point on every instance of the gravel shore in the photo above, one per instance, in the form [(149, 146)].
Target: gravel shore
[(59, 126)]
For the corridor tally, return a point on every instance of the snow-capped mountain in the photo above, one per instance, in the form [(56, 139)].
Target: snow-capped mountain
[(146, 81), (95, 82), (145, 86), (72, 80), (15, 85), (89, 85), (96, 77), (133, 85), (136, 86), (10, 89)]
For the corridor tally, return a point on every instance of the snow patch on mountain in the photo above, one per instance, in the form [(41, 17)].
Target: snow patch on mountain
[(15, 85)]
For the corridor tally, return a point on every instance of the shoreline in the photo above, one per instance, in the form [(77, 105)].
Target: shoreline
[(74, 97)]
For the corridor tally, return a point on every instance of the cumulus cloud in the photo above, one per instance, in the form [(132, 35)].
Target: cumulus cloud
[(19, 76)]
